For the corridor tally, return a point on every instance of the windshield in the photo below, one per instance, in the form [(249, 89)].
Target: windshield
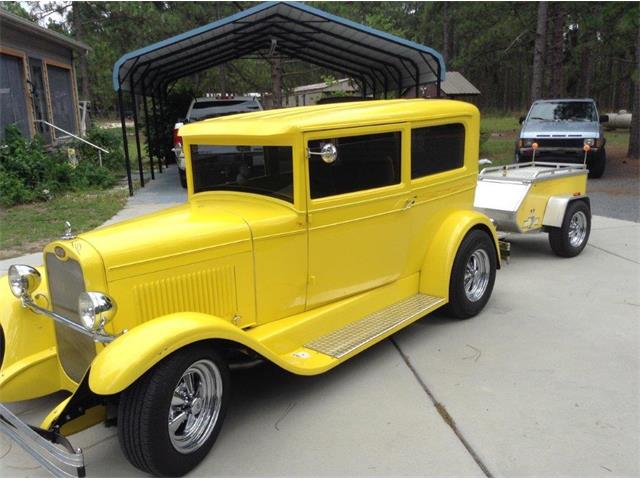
[(243, 168), (555, 111)]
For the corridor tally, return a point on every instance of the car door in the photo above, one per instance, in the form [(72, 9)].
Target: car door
[(358, 206)]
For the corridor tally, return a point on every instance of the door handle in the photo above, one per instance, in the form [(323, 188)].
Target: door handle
[(409, 203)]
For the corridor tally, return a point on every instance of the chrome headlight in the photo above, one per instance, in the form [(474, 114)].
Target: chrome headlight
[(23, 280), (590, 141), (526, 142), (95, 310)]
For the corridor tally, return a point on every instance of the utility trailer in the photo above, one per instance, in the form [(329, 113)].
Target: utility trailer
[(538, 197)]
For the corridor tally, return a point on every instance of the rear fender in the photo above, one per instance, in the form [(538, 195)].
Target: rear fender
[(436, 269), (132, 354)]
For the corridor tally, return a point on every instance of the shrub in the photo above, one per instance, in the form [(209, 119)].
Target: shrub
[(29, 173), (108, 139)]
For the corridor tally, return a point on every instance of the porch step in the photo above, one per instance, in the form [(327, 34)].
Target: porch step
[(341, 342)]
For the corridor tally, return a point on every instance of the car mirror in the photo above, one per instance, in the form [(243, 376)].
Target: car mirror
[(521, 120), (328, 153), (604, 118)]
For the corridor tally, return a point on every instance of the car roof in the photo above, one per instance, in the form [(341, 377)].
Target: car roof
[(226, 99), (324, 117)]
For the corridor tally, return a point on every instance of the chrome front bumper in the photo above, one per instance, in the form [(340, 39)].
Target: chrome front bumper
[(43, 446)]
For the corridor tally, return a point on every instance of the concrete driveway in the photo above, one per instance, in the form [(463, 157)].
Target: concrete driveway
[(544, 382)]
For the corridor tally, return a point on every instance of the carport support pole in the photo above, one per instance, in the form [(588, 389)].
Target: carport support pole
[(137, 132), (124, 141), (147, 131), (155, 130), (163, 140)]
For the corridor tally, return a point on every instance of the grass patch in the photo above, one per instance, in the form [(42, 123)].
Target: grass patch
[(497, 138), (28, 228)]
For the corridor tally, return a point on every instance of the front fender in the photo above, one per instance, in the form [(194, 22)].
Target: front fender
[(436, 270), (132, 354)]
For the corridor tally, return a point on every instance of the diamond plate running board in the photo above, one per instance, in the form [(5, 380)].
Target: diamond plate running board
[(340, 342)]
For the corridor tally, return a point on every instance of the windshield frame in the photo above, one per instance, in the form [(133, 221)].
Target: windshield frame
[(291, 200)]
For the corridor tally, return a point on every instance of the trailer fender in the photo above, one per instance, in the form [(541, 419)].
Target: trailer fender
[(557, 206), (436, 270), (132, 354)]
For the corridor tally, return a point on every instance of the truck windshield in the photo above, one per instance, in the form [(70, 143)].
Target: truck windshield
[(556, 111), (243, 168)]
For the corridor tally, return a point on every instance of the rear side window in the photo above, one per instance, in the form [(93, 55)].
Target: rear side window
[(364, 162), (436, 149)]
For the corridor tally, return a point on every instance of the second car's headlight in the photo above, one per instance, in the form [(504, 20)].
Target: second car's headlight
[(526, 142), (590, 141), (23, 280), (95, 310)]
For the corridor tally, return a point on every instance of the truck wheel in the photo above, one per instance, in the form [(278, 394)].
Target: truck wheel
[(472, 276), (597, 164), (570, 239), (183, 178), (170, 418)]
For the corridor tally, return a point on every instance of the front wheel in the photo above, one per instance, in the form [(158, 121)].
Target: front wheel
[(472, 276), (597, 163), (170, 418), (571, 238), (183, 178)]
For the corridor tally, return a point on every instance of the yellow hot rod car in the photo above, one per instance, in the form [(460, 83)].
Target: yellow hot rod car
[(309, 235)]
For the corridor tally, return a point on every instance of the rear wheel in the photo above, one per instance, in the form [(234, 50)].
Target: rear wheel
[(570, 239), (472, 276), (170, 418)]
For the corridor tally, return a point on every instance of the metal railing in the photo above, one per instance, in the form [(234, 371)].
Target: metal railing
[(100, 149)]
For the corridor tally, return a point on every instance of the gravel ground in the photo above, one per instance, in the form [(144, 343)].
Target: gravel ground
[(617, 193)]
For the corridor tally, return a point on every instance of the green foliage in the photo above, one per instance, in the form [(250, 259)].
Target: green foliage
[(110, 140), (29, 173)]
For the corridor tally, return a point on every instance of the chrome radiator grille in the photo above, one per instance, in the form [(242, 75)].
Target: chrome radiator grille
[(66, 282)]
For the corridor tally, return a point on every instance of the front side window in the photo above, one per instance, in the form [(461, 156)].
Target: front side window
[(363, 162), (242, 168), (436, 149)]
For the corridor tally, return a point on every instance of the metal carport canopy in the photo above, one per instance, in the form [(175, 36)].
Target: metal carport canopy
[(382, 61)]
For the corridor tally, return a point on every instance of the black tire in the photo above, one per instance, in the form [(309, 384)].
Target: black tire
[(561, 240), (143, 413), (597, 163), (183, 178), (460, 304)]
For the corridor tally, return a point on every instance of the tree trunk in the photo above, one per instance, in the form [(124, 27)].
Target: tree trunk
[(539, 52), (276, 81), (557, 52), (78, 20), (634, 137), (448, 26)]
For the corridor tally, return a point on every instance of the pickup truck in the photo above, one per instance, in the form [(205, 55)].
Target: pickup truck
[(561, 128)]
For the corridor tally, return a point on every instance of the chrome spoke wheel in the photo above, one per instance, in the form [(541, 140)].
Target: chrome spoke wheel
[(476, 275), (577, 229), (195, 406)]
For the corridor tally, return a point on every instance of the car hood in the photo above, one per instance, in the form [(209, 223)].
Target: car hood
[(179, 235), (537, 128)]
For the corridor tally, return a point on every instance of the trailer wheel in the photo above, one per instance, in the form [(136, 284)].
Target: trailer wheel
[(597, 164), (472, 275), (570, 239), (169, 419)]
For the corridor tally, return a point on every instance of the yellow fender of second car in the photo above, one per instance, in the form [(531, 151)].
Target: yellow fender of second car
[(132, 354), (444, 247)]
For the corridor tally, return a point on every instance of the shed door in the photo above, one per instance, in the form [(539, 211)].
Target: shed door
[(62, 101)]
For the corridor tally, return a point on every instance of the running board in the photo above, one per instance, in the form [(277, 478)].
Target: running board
[(345, 340)]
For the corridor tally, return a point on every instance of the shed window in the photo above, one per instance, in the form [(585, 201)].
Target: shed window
[(436, 149), (62, 103), (13, 103), (364, 162)]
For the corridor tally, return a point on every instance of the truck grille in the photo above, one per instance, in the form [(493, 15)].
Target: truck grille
[(560, 142), (75, 350)]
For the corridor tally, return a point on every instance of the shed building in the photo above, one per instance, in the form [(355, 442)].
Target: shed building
[(37, 79)]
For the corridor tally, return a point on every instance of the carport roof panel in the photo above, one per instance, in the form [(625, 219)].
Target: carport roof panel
[(299, 30)]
